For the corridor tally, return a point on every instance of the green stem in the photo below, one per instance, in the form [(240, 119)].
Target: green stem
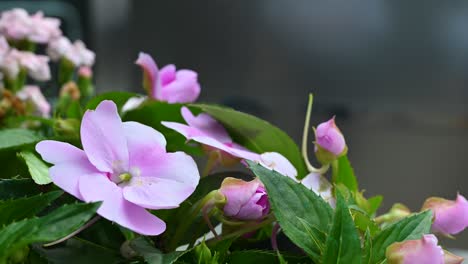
[(335, 168), (212, 161), (90, 223), (305, 135)]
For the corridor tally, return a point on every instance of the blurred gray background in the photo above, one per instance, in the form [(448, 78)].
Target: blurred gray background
[(393, 72)]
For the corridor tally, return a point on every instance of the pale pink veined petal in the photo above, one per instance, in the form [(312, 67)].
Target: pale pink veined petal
[(167, 74), (151, 72), (142, 138), (207, 125), (156, 193), (56, 152), (103, 138), (115, 208), (237, 193), (279, 163)]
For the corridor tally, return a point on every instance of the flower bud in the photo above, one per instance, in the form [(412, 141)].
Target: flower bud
[(396, 213), (450, 217), (85, 75), (244, 200), (329, 142), (424, 250)]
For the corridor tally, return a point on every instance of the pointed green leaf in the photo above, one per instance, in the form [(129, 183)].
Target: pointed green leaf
[(37, 168), (14, 210), (261, 256), (17, 137), (343, 173), (17, 188), (152, 255), (296, 208), (343, 245), (256, 134), (411, 227), (51, 227)]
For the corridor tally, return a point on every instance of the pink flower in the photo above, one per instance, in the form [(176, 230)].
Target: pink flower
[(330, 142), (424, 250), (4, 47), (10, 64), (210, 133), (168, 84), (76, 53), (244, 200), (124, 165), (16, 24), (319, 185), (36, 65), (32, 95), (450, 217)]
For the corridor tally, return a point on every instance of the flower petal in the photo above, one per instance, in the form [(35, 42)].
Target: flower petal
[(184, 89), (66, 175), (237, 193), (277, 162), (56, 152), (150, 69), (142, 138), (98, 187), (207, 125), (156, 193), (103, 138)]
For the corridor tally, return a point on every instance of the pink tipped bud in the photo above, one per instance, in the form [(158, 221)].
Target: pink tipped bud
[(330, 142), (244, 200), (450, 217), (85, 71), (424, 250)]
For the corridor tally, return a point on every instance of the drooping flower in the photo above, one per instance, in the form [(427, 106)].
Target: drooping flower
[(244, 200), (450, 217), (424, 250), (76, 52), (124, 165), (17, 24), (212, 135), (32, 95), (168, 84), (329, 141)]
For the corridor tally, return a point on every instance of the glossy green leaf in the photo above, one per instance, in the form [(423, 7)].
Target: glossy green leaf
[(153, 255), (37, 168), (119, 98), (343, 245), (14, 210), (17, 137), (304, 216), (343, 173), (256, 134), (411, 227), (261, 256), (17, 188), (78, 251), (51, 227)]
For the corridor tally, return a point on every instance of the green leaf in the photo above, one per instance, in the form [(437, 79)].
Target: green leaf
[(119, 98), (16, 188), (296, 208), (17, 137), (374, 203), (343, 244), (78, 251), (260, 256), (411, 227), (153, 255), (343, 173), (256, 134), (51, 227), (37, 168), (13, 210), (151, 113), (364, 223)]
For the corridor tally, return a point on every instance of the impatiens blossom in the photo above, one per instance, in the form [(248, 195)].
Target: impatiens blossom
[(244, 200), (4, 47), (168, 84), (34, 98), (450, 217), (76, 53), (133, 103), (17, 24), (424, 250), (210, 133), (125, 165), (329, 141)]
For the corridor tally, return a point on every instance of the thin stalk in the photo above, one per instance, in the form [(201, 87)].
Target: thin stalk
[(90, 223)]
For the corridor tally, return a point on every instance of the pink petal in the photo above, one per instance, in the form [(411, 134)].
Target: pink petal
[(184, 89), (142, 138), (450, 217), (277, 162), (177, 166), (329, 137), (237, 193), (103, 138), (150, 73), (424, 250), (56, 152), (115, 208), (251, 210), (207, 125), (156, 193), (66, 175), (167, 74)]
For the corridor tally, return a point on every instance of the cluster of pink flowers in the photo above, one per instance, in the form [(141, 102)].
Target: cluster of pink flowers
[(76, 53)]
